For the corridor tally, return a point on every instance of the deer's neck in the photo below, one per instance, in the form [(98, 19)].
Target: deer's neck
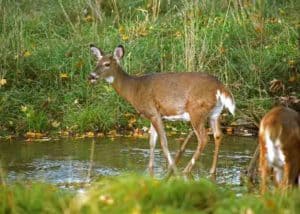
[(124, 84)]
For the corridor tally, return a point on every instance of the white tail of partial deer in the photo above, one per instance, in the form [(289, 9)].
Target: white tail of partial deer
[(279, 141), (191, 97)]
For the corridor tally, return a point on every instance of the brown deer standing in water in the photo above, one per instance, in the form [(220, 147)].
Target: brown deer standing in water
[(279, 141), (171, 96)]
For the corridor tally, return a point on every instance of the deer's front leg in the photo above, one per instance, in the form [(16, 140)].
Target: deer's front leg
[(152, 142), (199, 129), (159, 127)]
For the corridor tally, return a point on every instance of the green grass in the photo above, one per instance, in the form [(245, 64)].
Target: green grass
[(136, 194), (43, 41), (33, 198)]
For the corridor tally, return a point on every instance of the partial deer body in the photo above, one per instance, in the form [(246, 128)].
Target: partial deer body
[(279, 141), (172, 96)]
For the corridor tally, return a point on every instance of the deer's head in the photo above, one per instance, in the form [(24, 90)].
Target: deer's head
[(107, 64)]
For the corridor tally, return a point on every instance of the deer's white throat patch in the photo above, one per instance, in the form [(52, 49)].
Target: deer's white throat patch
[(110, 79)]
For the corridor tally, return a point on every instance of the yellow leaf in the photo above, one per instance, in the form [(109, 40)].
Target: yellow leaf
[(88, 18), (100, 135), (106, 199), (64, 133), (178, 34), (55, 124), (132, 121), (292, 63), (27, 53), (127, 114), (122, 30), (2, 82), (142, 31), (222, 50), (24, 108), (63, 75), (34, 135), (136, 210), (124, 37), (90, 134), (112, 133)]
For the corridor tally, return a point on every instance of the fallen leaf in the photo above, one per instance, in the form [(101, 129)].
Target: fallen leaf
[(136, 210), (106, 199), (178, 34), (26, 53), (64, 133), (88, 18), (124, 37), (2, 82), (276, 85), (122, 30), (34, 135), (222, 50), (90, 134), (63, 75), (55, 124)]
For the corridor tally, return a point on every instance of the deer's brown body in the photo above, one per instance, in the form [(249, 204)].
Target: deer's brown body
[(279, 140), (172, 96), (154, 93)]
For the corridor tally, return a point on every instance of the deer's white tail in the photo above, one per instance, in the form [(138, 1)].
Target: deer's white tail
[(226, 100)]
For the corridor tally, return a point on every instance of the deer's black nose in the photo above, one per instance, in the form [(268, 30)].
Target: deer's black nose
[(93, 76)]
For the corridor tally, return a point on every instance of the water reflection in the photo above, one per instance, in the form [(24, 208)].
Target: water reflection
[(68, 161)]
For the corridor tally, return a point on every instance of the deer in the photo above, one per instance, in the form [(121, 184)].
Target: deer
[(185, 96), (279, 147)]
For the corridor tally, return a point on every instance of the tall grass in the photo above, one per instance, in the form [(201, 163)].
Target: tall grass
[(45, 58)]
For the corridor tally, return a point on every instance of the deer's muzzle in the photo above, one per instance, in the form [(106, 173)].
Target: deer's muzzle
[(93, 77)]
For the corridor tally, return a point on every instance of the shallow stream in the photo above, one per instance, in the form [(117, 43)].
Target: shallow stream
[(71, 161)]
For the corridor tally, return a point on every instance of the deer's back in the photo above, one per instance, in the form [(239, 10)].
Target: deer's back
[(283, 123), (193, 83)]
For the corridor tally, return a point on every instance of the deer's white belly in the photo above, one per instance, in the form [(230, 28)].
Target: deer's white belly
[(182, 117)]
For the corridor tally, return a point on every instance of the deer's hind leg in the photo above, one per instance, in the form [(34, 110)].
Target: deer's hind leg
[(217, 133), (263, 165), (199, 129)]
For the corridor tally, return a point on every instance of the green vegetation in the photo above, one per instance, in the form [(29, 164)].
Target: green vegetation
[(45, 56), (136, 194)]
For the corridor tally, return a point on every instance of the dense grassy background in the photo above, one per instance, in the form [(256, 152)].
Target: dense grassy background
[(45, 57), (136, 194)]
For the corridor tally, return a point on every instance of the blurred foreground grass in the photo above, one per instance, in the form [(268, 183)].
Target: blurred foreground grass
[(136, 194)]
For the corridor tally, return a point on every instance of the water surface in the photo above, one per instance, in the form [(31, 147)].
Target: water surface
[(79, 161)]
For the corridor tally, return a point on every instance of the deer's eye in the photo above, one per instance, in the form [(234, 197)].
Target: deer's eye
[(106, 64)]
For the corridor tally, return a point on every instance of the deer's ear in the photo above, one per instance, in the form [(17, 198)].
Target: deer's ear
[(96, 51), (119, 52)]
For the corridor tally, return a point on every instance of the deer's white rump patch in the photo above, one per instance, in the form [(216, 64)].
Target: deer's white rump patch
[(226, 101)]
